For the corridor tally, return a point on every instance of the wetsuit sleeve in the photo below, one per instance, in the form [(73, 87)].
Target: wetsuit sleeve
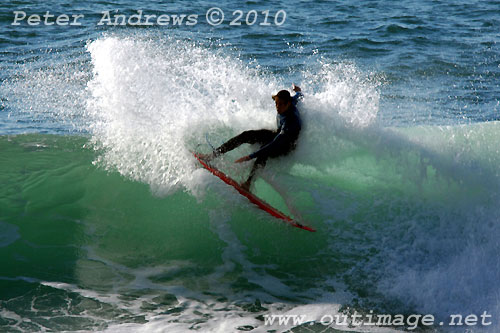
[(289, 132), (274, 146), (297, 97)]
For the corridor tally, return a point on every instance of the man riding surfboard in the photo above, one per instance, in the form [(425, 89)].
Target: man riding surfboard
[(273, 143)]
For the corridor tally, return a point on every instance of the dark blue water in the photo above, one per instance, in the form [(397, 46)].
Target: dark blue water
[(438, 61)]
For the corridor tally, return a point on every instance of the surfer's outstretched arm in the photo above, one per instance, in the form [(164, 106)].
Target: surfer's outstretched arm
[(274, 147), (243, 159)]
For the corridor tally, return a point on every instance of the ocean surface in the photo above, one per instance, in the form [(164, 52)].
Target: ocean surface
[(107, 222)]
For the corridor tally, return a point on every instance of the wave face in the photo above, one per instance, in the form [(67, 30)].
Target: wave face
[(121, 230)]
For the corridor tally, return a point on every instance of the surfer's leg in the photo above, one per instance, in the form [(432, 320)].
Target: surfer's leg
[(260, 162), (251, 137)]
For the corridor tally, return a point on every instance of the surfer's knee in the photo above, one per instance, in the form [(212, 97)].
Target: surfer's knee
[(247, 136), (248, 133)]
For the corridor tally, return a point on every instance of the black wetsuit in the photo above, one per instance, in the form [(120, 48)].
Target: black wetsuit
[(273, 143)]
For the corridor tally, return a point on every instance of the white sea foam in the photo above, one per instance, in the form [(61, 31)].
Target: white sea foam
[(153, 100)]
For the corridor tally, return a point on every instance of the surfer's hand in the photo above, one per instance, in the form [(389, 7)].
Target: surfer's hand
[(243, 159)]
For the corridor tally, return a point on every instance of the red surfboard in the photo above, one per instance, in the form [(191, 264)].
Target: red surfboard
[(252, 198)]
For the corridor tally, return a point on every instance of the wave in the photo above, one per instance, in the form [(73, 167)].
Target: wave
[(409, 227), (406, 217)]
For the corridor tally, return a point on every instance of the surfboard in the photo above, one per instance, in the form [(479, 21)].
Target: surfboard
[(261, 204)]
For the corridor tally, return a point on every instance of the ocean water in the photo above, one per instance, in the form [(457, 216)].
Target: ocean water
[(107, 223)]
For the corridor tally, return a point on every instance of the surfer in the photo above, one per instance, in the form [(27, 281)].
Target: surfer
[(273, 143)]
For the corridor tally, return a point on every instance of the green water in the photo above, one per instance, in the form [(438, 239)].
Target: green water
[(84, 248), (79, 225)]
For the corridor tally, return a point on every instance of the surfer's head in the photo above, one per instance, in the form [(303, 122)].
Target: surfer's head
[(283, 101)]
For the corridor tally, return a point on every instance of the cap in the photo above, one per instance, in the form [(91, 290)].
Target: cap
[(284, 95)]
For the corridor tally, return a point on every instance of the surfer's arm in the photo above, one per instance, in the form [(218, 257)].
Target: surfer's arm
[(278, 144), (243, 159), (289, 132), (298, 94)]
